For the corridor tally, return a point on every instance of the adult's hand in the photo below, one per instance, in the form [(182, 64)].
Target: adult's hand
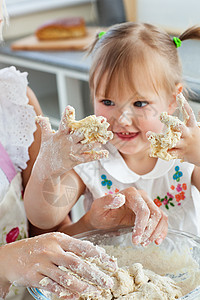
[(54, 261)]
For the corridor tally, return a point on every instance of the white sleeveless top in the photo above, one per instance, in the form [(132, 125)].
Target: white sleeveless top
[(17, 125), (168, 184)]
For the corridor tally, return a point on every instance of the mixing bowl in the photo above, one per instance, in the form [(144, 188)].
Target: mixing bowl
[(177, 257)]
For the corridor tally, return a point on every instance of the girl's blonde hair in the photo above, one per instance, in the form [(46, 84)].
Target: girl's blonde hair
[(130, 51)]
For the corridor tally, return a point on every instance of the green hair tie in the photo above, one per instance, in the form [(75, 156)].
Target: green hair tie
[(101, 34), (177, 41)]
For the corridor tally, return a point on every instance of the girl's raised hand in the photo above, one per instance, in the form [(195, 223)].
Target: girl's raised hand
[(60, 151), (187, 148), (130, 208), (54, 262)]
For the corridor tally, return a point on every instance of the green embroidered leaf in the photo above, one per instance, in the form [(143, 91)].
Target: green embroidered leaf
[(172, 204), (167, 207)]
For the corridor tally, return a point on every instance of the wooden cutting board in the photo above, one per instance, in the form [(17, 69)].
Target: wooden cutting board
[(32, 43)]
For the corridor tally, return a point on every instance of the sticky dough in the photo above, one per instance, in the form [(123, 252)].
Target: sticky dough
[(132, 282), (94, 129), (162, 142)]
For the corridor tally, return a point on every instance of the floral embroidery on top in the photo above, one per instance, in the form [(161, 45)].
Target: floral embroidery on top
[(106, 182), (166, 201), (177, 194), (178, 174)]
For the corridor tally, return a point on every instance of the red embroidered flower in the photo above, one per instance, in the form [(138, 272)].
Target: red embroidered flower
[(182, 195), (12, 235), (184, 186), (157, 202), (116, 190), (172, 187), (178, 197)]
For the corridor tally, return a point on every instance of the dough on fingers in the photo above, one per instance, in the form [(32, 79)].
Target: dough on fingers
[(162, 142)]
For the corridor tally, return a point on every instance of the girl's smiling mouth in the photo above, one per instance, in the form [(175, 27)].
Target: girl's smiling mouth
[(126, 135)]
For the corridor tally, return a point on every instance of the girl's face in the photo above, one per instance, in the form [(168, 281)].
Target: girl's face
[(131, 115)]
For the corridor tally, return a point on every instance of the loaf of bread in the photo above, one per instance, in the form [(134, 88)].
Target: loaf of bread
[(61, 29)]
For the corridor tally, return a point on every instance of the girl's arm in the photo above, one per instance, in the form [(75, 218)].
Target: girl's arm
[(48, 202), (196, 178), (52, 188), (35, 196)]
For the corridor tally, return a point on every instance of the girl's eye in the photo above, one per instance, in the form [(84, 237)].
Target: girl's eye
[(108, 102), (140, 103)]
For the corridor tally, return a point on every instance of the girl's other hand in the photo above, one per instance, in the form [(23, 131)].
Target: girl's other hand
[(187, 149), (48, 261), (130, 208)]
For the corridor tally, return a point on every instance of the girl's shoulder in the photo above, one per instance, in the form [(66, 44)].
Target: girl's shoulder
[(17, 117)]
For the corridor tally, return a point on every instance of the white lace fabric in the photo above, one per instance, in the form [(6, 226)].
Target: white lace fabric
[(17, 117)]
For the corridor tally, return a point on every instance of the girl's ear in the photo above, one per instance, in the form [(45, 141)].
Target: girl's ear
[(173, 103)]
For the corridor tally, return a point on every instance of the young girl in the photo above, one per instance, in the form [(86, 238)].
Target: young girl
[(28, 261), (135, 75), (119, 75)]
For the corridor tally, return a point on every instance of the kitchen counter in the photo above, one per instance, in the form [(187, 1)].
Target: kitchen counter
[(71, 60)]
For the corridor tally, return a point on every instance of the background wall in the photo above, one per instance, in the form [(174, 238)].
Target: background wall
[(174, 16)]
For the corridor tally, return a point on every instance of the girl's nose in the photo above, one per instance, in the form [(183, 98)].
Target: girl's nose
[(125, 118)]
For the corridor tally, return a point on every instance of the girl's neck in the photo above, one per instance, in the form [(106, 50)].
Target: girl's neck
[(140, 164)]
